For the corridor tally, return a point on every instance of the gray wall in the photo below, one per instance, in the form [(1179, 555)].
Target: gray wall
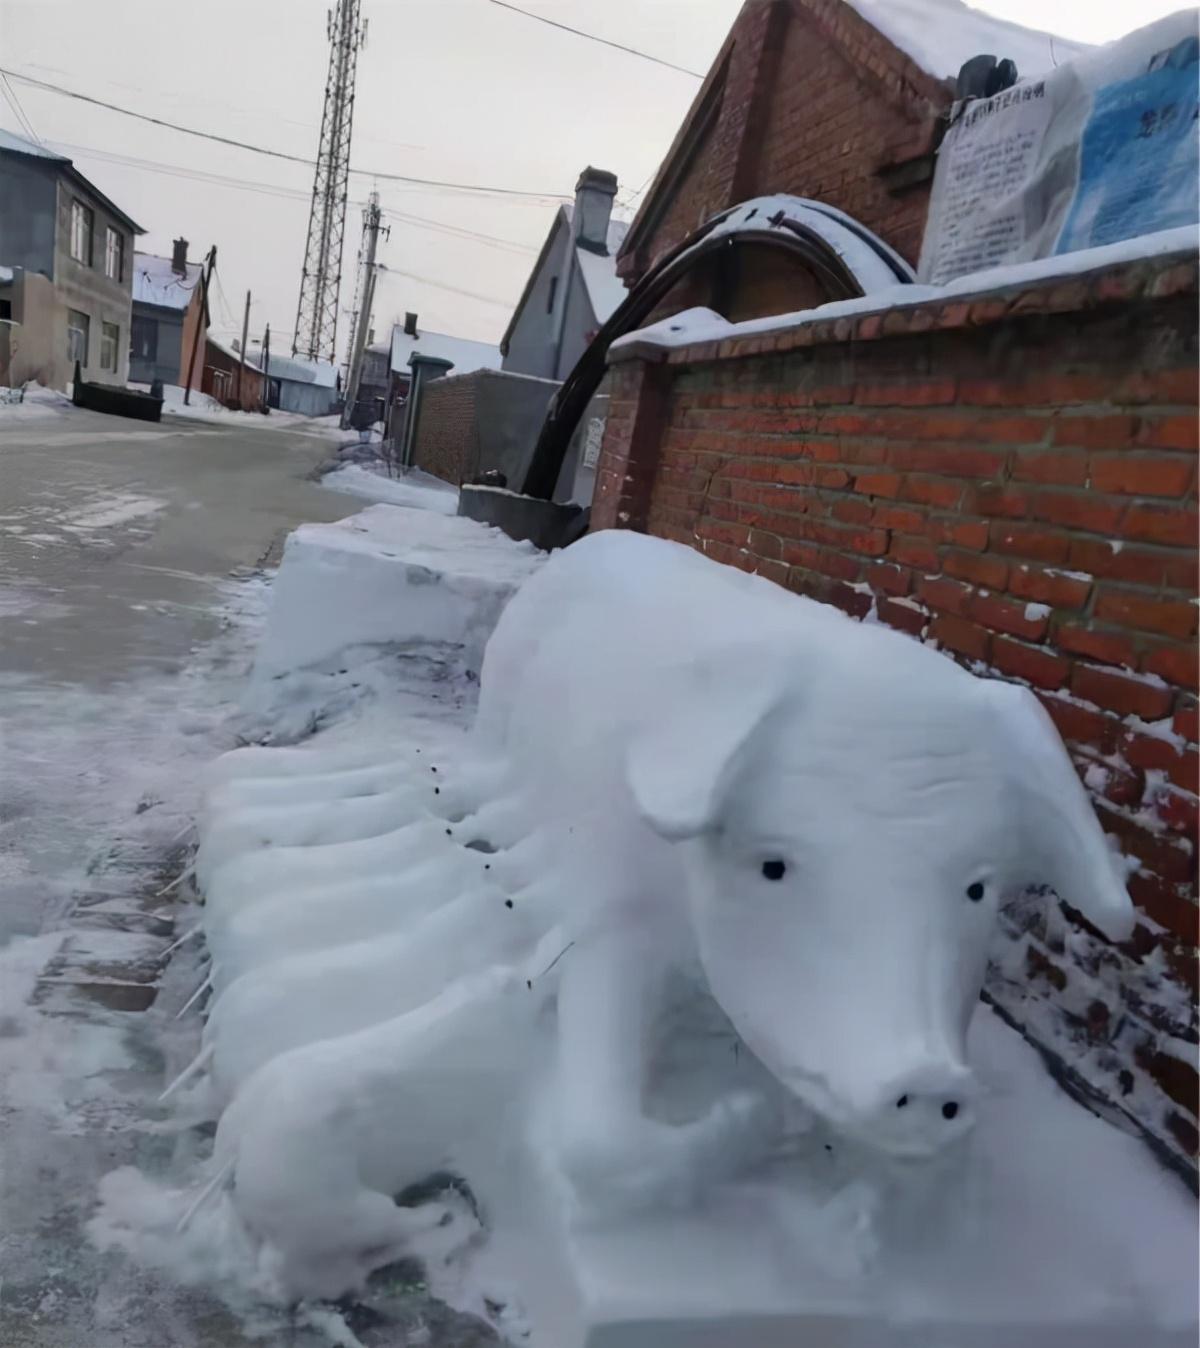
[(27, 210), (509, 412), (169, 359), (87, 289), (531, 345), (311, 400)]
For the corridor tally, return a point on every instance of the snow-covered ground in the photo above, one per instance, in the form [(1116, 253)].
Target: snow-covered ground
[(372, 483), (35, 403), (202, 407), (384, 983)]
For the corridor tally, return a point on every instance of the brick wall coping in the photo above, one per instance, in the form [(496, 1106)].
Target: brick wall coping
[(1155, 266)]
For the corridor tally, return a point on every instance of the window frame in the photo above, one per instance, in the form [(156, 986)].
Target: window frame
[(85, 329), (141, 326), (81, 211), (115, 330), (114, 245)]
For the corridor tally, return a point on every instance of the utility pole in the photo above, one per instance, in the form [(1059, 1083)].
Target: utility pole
[(321, 276), (372, 228), (202, 325), (242, 352), (267, 369)]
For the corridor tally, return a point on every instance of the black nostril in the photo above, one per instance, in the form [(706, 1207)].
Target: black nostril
[(949, 1109), (903, 1100)]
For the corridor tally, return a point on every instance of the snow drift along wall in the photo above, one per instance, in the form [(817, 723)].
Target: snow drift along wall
[(1011, 475)]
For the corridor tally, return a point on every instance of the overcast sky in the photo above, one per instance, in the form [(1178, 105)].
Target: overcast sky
[(457, 90)]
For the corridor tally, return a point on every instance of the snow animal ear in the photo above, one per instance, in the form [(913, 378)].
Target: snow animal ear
[(681, 764), (1060, 833)]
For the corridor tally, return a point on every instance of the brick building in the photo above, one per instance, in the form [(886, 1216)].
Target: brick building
[(1008, 473), (810, 98)]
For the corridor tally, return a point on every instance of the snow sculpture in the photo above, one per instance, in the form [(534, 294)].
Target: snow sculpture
[(678, 772)]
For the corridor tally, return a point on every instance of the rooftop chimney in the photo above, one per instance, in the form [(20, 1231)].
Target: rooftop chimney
[(179, 257), (594, 194), (410, 325)]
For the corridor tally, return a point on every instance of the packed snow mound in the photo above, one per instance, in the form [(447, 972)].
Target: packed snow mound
[(678, 950)]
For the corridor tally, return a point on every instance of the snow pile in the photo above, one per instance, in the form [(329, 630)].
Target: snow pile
[(942, 35), (390, 576), (31, 403), (416, 489), (616, 980)]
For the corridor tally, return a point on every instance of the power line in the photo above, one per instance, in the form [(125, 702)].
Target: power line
[(454, 290), (591, 37), (276, 154), (286, 193), (10, 97)]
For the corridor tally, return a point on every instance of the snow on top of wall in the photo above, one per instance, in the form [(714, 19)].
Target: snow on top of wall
[(1185, 239), (941, 35), (155, 281), (467, 356), (6, 275), (19, 145)]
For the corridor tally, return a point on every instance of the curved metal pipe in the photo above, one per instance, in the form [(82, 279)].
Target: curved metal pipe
[(779, 230)]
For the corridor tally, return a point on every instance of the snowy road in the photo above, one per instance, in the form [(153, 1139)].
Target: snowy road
[(129, 603)]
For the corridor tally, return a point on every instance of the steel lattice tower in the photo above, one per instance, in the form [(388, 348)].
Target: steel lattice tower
[(321, 279)]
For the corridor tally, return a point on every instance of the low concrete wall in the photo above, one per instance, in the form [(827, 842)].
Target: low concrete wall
[(38, 341)]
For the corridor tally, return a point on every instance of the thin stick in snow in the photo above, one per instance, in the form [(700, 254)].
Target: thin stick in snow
[(197, 1064), (195, 997), (183, 940), (203, 1196), (179, 879)]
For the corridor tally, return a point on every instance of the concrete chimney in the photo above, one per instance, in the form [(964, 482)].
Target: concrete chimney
[(179, 257), (594, 193), (410, 325)]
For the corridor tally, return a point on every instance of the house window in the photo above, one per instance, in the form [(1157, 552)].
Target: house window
[(114, 255), (553, 293), (81, 233), (143, 342), (5, 311), (77, 337), (110, 345)]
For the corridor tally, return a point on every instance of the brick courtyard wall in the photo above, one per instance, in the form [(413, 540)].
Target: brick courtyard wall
[(446, 433), (1010, 477)]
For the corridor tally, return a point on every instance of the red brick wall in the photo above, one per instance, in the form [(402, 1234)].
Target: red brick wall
[(816, 103), (1012, 478), (446, 443)]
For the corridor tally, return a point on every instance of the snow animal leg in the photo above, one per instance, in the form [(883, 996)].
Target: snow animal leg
[(261, 761), (502, 822), (614, 1156)]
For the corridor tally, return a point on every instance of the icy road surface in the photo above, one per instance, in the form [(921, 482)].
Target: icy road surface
[(131, 594)]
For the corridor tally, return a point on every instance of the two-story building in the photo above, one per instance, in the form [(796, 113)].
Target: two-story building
[(67, 253)]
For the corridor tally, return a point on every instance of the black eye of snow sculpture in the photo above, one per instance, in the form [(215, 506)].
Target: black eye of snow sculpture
[(773, 870), (975, 892)]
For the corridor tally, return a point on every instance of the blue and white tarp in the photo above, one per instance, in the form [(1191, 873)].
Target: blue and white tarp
[(1103, 148)]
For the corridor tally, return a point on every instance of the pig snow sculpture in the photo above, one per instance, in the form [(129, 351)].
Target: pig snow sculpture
[(675, 767), (826, 814)]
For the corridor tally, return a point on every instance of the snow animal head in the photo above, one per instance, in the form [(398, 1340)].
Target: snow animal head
[(850, 827)]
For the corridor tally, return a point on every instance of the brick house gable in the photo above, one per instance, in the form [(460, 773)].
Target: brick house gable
[(805, 97)]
